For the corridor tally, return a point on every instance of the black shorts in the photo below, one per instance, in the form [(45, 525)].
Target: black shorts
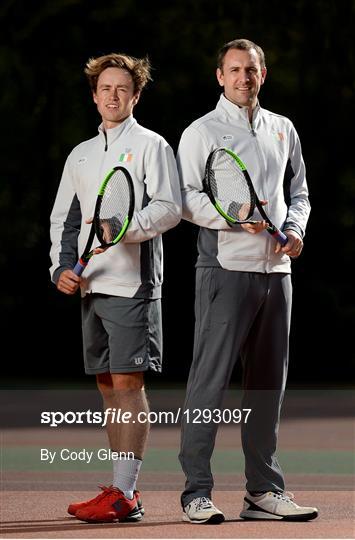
[(121, 335)]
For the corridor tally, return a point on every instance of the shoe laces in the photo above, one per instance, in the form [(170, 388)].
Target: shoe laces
[(105, 490), (203, 503), (286, 496)]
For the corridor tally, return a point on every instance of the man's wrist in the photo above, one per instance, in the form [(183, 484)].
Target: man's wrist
[(293, 227)]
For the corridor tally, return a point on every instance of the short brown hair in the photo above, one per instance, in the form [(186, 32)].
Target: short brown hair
[(242, 45), (139, 69)]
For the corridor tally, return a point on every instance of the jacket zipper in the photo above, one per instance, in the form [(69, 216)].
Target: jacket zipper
[(252, 129), (259, 154)]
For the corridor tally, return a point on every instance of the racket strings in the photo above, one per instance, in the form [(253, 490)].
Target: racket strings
[(230, 188), (114, 207)]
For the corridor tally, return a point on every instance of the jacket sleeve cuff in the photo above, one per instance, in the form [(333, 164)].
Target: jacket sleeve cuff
[(293, 227)]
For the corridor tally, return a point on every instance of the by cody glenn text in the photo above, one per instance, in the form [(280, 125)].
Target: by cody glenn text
[(83, 455)]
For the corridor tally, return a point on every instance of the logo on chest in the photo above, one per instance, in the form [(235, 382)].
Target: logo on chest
[(279, 135), (126, 156), (227, 137)]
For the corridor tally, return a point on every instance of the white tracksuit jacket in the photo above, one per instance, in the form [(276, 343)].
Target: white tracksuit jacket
[(134, 267), (271, 151)]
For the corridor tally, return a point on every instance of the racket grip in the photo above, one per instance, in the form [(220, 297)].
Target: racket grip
[(79, 267), (278, 235)]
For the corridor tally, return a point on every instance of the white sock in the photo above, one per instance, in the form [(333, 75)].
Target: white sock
[(125, 475)]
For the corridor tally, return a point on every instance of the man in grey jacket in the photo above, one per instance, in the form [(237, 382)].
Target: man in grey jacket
[(120, 287), (243, 288)]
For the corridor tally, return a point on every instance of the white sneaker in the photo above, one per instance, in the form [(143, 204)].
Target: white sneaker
[(202, 510), (273, 505)]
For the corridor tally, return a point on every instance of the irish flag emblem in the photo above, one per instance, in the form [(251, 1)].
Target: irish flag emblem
[(125, 157)]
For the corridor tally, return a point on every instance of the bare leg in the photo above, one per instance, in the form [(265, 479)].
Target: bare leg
[(126, 392)]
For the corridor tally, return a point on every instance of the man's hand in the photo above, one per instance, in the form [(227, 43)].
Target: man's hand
[(68, 282), (294, 244), (98, 250), (106, 231), (255, 228)]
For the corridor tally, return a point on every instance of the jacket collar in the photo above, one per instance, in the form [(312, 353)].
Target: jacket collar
[(110, 135), (236, 113)]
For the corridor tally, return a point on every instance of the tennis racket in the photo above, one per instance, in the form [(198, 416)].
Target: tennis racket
[(113, 214), (231, 191)]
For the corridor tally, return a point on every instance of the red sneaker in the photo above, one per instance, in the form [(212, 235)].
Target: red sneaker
[(111, 506), (74, 507), (135, 515)]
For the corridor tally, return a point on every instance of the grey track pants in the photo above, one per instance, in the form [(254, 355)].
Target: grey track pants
[(246, 315)]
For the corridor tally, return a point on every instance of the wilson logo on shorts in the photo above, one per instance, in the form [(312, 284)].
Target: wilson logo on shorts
[(138, 360)]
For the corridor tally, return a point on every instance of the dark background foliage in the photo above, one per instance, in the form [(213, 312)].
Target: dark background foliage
[(46, 109)]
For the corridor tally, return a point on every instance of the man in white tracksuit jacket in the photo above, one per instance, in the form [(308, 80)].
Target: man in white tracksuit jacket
[(120, 287), (243, 288)]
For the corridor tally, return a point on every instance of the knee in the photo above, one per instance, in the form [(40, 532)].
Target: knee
[(109, 384), (105, 385), (128, 381)]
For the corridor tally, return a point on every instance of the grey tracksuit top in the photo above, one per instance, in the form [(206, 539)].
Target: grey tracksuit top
[(132, 268), (271, 151)]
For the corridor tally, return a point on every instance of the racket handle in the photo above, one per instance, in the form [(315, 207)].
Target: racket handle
[(79, 267), (278, 235)]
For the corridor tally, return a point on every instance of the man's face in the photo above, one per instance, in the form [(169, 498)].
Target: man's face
[(242, 77), (114, 96)]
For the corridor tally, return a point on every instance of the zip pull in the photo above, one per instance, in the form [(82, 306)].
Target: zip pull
[(250, 121), (251, 128)]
